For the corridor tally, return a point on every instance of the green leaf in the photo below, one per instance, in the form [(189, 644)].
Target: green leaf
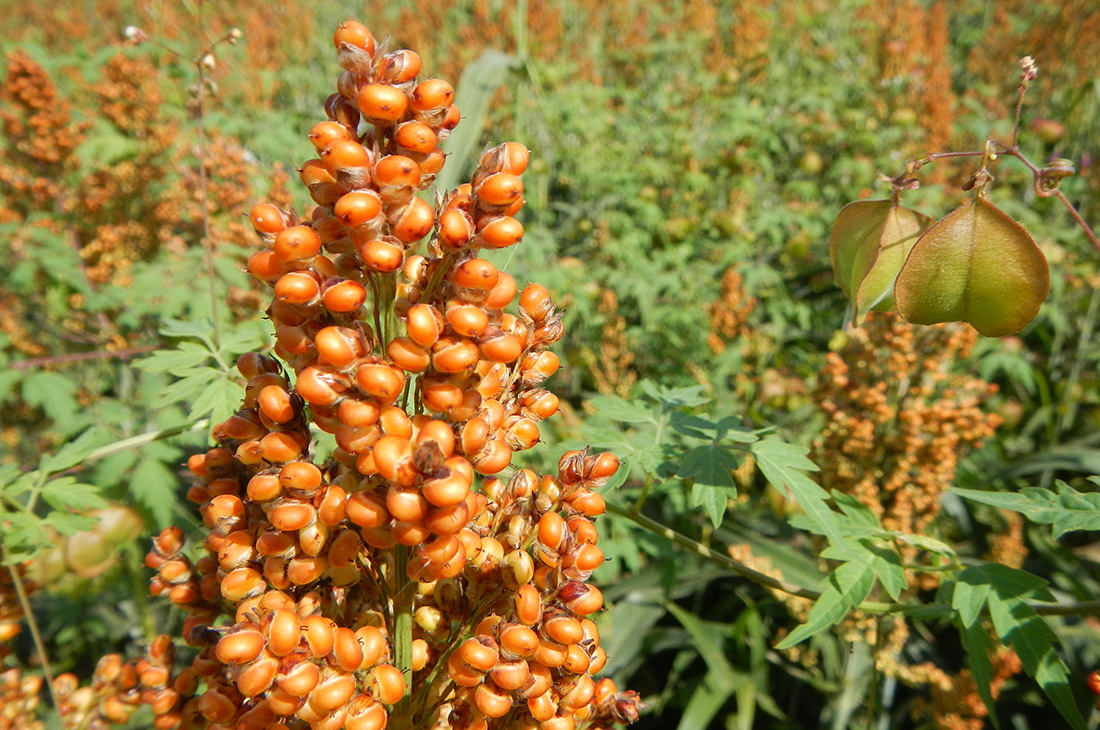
[(177, 328), (187, 355), (782, 465), (72, 453), (979, 647), (1068, 511), (970, 594), (870, 241), (68, 494), (847, 587), (23, 536), (1006, 581), (712, 499), (1033, 641), (709, 464), (185, 389), (52, 392), (153, 486), (625, 411), (891, 574), (976, 265), (69, 524), (220, 399)]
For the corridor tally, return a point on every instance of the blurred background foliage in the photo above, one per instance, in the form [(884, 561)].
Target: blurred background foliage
[(688, 159)]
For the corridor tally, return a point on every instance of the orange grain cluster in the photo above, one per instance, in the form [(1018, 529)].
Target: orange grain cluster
[(429, 386), (729, 313), (899, 419), (956, 704), (19, 700)]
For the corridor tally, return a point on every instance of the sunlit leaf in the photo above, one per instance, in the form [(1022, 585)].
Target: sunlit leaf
[(1068, 510), (977, 265), (870, 241), (845, 589), (979, 647)]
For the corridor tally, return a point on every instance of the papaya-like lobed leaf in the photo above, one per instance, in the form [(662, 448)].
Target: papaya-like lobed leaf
[(976, 265)]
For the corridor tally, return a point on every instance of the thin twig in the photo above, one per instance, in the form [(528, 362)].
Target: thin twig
[(37, 362), (1078, 608), (32, 624), (208, 244)]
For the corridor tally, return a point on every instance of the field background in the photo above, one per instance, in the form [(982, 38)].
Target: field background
[(688, 159)]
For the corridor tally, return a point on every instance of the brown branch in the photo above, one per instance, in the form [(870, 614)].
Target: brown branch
[(80, 357)]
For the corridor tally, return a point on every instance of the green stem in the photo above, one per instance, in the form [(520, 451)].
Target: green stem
[(1081, 608), (403, 593)]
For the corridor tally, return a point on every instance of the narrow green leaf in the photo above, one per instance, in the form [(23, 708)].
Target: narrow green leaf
[(1027, 633), (782, 465), (891, 574), (185, 390), (1068, 510), (847, 587), (979, 647), (708, 639)]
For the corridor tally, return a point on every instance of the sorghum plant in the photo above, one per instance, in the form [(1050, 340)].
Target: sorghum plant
[(398, 582)]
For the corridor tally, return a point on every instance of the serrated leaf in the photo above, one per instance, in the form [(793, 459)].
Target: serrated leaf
[(692, 426), (971, 591), (686, 397), (153, 486), (69, 524), (1006, 581), (1067, 511), (782, 465), (869, 243), (67, 493), (187, 355), (891, 573), (976, 265), (23, 535), (731, 428), (713, 500), (625, 411), (177, 328), (72, 453), (847, 587), (220, 399), (709, 464), (8, 474), (856, 512), (979, 647), (245, 339), (52, 392), (1021, 628), (186, 388), (924, 542)]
